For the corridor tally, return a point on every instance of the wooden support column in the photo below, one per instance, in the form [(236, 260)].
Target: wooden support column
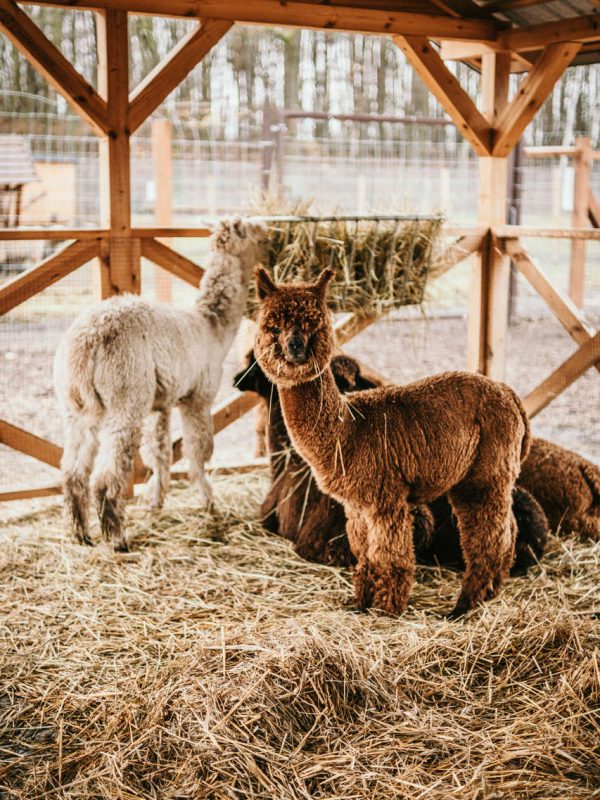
[(581, 165), (490, 275), (123, 251), (163, 203)]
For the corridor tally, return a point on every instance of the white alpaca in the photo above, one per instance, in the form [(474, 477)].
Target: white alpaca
[(126, 358)]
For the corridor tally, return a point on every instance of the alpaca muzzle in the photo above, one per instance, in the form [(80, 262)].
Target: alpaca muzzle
[(296, 349)]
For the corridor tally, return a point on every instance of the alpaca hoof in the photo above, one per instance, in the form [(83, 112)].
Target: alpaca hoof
[(205, 494), (121, 546), (461, 608), (84, 539)]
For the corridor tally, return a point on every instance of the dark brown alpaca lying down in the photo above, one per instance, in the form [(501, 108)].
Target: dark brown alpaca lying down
[(567, 487), (383, 451), (296, 509)]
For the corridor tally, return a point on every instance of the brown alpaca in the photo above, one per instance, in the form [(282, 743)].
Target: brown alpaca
[(566, 485), (295, 508), (383, 451)]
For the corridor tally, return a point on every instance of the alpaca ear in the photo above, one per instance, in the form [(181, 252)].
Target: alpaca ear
[(265, 285), (322, 282)]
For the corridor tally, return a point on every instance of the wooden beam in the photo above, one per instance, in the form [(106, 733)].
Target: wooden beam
[(531, 94), (562, 377), (581, 198), (52, 269), (593, 209), (50, 62), (561, 306), (306, 15), (123, 250), (174, 262), (28, 494), (51, 234), (34, 446), (167, 75), (456, 252), (162, 168), (521, 231), (533, 37), (446, 88)]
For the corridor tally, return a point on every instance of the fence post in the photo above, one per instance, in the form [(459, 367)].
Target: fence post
[(580, 218), (267, 149), (162, 137)]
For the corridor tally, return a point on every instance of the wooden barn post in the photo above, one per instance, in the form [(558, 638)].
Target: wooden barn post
[(581, 192), (162, 137), (123, 250), (490, 276)]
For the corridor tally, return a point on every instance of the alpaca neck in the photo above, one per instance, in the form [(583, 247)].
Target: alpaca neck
[(223, 294), (279, 442), (315, 414)]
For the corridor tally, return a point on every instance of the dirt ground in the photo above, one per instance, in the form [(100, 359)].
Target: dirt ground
[(403, 349)]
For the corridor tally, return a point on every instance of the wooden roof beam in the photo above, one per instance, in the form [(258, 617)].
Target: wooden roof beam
[(447, 89), (167, 75), (307, 15), (533, 37), (50, 62), (532, 93)]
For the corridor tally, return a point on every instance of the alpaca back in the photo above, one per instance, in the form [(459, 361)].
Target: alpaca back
[(565, 484)]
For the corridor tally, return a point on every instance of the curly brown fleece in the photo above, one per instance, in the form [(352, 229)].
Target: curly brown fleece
[(383, 451), (566, 486), (296, 509)]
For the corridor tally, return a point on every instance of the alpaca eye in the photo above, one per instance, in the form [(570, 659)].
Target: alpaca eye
[(275, 331)]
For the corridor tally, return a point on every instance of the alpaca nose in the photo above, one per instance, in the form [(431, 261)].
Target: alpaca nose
[(296, 348)]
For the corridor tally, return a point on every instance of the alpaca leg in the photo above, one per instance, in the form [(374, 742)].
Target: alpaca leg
[(197, 424), (487, 536), (76, 465), (156, 453), (268, 510), (357, 530), (119, 440), (391, 559), (260, 428)]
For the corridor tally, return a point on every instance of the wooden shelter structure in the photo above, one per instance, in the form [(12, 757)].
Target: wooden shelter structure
[(497, 37)]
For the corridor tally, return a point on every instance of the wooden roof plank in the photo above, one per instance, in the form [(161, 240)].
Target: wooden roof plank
[(446, 87), (51, 63)]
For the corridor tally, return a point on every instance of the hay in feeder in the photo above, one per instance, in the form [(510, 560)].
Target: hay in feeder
[(381, 263), (211, 662)]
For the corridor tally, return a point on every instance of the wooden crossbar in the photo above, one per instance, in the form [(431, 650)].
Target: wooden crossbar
[(563, 308), (29, 444), (174, 262), (51, 63), (425, 60), (168, 74), (52, 269), (562, 377), (531, 94), (456, 252)]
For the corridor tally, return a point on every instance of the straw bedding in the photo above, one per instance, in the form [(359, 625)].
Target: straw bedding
[(212, 663)]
